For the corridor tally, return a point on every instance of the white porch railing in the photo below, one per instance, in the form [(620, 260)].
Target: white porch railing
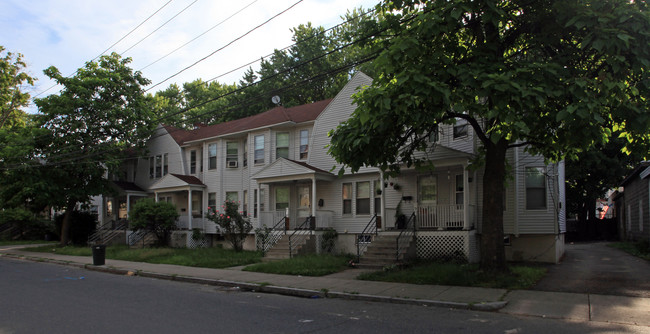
[(443, 217), (270, 218), (324, 219), (183, 222)]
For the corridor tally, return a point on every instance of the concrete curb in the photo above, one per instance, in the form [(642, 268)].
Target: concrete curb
[(264, 288)]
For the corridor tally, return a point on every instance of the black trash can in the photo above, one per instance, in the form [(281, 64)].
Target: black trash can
[(99, 255)]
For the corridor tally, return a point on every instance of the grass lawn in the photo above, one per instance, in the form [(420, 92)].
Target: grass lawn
[(306, 265), (24, 242), (200, 257), (520, 276), (639, 249)]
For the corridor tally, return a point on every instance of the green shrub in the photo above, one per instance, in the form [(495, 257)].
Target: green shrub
[(234, 226), (156, 217)]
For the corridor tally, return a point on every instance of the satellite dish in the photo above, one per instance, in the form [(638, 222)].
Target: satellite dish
[(276, 100)]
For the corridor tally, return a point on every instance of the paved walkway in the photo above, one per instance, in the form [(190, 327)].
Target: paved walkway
[(596, 268), (561, 305)]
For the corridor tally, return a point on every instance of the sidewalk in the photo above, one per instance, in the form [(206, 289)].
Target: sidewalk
[(559, 305)]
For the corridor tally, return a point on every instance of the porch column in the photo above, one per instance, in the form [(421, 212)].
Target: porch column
[(128, 205), (466, 217), (189, 209), (155, 195), (313, 196), (382, 199), (257, 208)]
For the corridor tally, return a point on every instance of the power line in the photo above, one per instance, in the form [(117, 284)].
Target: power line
[(203, 33), (225, 46), (280, 89), (162, 25), (110, 47), (160, 120)]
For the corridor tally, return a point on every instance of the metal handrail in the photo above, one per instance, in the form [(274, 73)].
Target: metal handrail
[(301, 237), (137, 236), (277, 231), (369, 230), (107, 232), (404, 238)]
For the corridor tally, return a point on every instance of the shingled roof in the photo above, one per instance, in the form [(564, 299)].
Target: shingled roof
[(278, 115)]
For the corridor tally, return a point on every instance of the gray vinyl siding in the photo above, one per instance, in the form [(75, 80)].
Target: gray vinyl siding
[(161, 143), (540, 221), (637, 200), (509, 225), (336, 112)]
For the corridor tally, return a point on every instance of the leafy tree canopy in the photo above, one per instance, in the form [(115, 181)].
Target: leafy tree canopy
[(13, 97), (99, 116), (556, 76)]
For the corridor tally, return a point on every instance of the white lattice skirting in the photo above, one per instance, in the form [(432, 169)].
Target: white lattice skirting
[(448, 244), (200, 243)]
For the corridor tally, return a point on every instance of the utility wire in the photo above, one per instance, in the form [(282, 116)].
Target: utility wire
[(110, 47), (162, 25), (197, 37), (306, 81), (160, 120), (225, 46)]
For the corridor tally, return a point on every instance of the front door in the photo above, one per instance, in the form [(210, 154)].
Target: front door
[(304, 202)]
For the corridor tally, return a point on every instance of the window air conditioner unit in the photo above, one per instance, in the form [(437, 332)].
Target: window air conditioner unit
[(232, 164)]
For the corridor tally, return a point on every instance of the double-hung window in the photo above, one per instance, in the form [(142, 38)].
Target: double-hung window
[(212, 156), (232, 154), (347, 198), (259, 149), (535, 188), (282, 145), (460, 128), (192, 162), (363, 198), (304, 144), (281, 198), (460, 196)]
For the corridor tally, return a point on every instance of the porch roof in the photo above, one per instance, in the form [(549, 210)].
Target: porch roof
[(287, 170), (128, 187), (172, 182)]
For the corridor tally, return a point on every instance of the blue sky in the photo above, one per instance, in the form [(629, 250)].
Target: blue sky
[(68, 33)]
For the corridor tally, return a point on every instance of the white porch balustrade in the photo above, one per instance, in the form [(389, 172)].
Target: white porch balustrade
[(444, 217)]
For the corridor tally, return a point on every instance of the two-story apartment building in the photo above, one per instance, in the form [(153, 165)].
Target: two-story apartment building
[(276, 164)]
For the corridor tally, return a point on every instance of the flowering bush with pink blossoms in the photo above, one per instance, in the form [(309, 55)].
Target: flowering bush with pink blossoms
[(233, 225)]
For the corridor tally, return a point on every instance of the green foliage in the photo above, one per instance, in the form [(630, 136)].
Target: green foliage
[(98, 116), (460, 274), (82, 225), (639, 248), (306, 265), (557, 76), (232, 223), (261, 236), (13, 81), (156, 217), (19, 223), (315, 68), (200, 257), (328, 240)]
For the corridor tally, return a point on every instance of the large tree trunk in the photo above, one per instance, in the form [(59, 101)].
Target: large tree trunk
[(65, 225), (493, 256)]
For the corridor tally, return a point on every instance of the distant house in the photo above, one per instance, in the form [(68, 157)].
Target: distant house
[(633, 204), (276, 164)]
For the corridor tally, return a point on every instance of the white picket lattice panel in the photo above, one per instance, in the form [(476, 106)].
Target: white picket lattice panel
[(447, 245), (200, 243)]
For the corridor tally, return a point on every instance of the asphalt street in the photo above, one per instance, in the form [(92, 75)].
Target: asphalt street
[(49, 298)]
